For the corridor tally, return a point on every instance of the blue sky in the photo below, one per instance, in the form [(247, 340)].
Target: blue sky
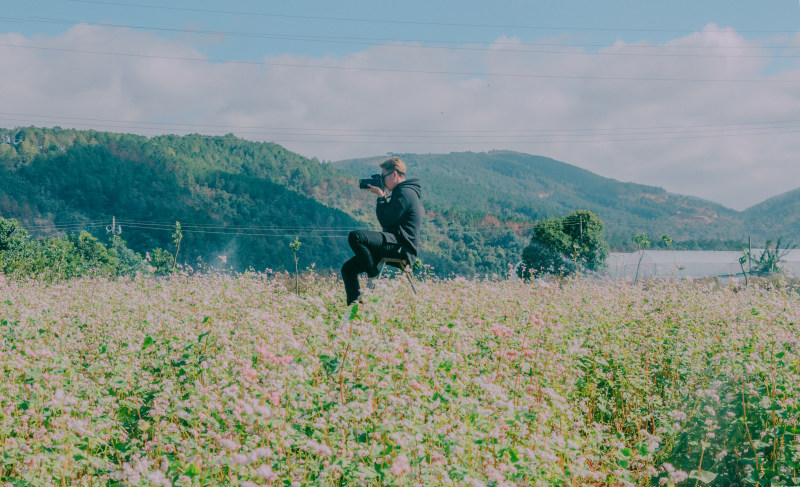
[(699, 97)]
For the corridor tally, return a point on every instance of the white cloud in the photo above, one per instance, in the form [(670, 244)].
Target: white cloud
[(410, 98)]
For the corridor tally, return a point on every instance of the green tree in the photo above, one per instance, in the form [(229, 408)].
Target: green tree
[(130, 262), (768, 263), (563, 246)]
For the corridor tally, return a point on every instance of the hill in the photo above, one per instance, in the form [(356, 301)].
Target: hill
[(778, 216), (521, 187), (247, 200), (242, 200)]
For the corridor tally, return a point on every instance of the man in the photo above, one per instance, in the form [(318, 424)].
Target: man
[(400, 217)]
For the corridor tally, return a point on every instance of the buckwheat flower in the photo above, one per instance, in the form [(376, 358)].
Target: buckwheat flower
[(248, 372), (157, 477), (319, 448), (401, 466), (678, 415), (719, 456), (264, 411), (261, 452), (240, 459), (501, 331), (275, 398), (229, 444), (678, 476), (265, 472)]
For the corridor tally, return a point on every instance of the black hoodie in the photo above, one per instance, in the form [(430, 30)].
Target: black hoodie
[(401, 216)]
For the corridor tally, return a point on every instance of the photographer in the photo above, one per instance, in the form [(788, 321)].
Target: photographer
[(401, 220)]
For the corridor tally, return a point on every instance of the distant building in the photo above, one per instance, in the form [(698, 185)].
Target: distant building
[(688, 263)]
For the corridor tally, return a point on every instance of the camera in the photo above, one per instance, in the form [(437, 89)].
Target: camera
[(374, 180)]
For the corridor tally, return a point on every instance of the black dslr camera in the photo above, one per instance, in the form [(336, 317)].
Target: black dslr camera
[(374, 180)]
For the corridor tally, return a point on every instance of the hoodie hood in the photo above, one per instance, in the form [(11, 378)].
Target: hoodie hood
[(410, 184)]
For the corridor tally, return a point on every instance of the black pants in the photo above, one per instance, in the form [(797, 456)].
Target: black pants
[(369, 248)]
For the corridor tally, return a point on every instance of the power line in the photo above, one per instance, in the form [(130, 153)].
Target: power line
[(397, 70), (383, 41), (419, 44), (260, 230), (556, 138), (415, 22), (470, 132)]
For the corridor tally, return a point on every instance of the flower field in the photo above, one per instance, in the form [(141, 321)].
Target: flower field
[(223, 380)]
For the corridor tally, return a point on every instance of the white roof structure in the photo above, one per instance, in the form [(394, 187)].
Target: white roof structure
[(688, 263)]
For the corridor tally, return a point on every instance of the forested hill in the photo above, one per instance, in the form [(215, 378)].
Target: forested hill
[(247, 201), (515, 186), (242, 200)]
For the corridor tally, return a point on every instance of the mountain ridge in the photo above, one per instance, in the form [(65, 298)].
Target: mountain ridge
[(480, 206), (554, 188)]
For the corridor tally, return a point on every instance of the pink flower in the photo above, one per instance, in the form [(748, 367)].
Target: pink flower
[(501, 331), (266, 354), (266, 473), (320, 449), (248, 372), (401, 466), (272, 358), (275, 398)]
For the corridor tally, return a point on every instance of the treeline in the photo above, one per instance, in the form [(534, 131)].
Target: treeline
[(223, 187), (521, 187), (241, 203), (75, 255)]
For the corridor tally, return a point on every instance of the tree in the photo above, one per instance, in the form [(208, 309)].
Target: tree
[(768, 263), (295, 246), (642, 242), (563, 246)]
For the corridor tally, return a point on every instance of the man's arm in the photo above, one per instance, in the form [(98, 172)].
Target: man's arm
[(390, 213)]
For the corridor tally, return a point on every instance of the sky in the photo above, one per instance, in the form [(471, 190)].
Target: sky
[(700, 97)]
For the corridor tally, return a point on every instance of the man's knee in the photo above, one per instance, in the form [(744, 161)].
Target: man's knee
[(356, 237), (349, 268)]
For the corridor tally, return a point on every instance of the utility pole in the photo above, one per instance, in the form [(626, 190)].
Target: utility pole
[(113, 229)]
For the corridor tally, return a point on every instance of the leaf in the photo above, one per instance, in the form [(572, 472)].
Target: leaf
[(147, 342), (703, 476), (192, 470), (331, 364), (368, 472)]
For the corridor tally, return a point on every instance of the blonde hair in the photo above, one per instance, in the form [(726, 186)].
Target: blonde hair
[(394, 164)]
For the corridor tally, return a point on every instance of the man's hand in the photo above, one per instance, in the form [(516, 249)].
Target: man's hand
[(378, 191)]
